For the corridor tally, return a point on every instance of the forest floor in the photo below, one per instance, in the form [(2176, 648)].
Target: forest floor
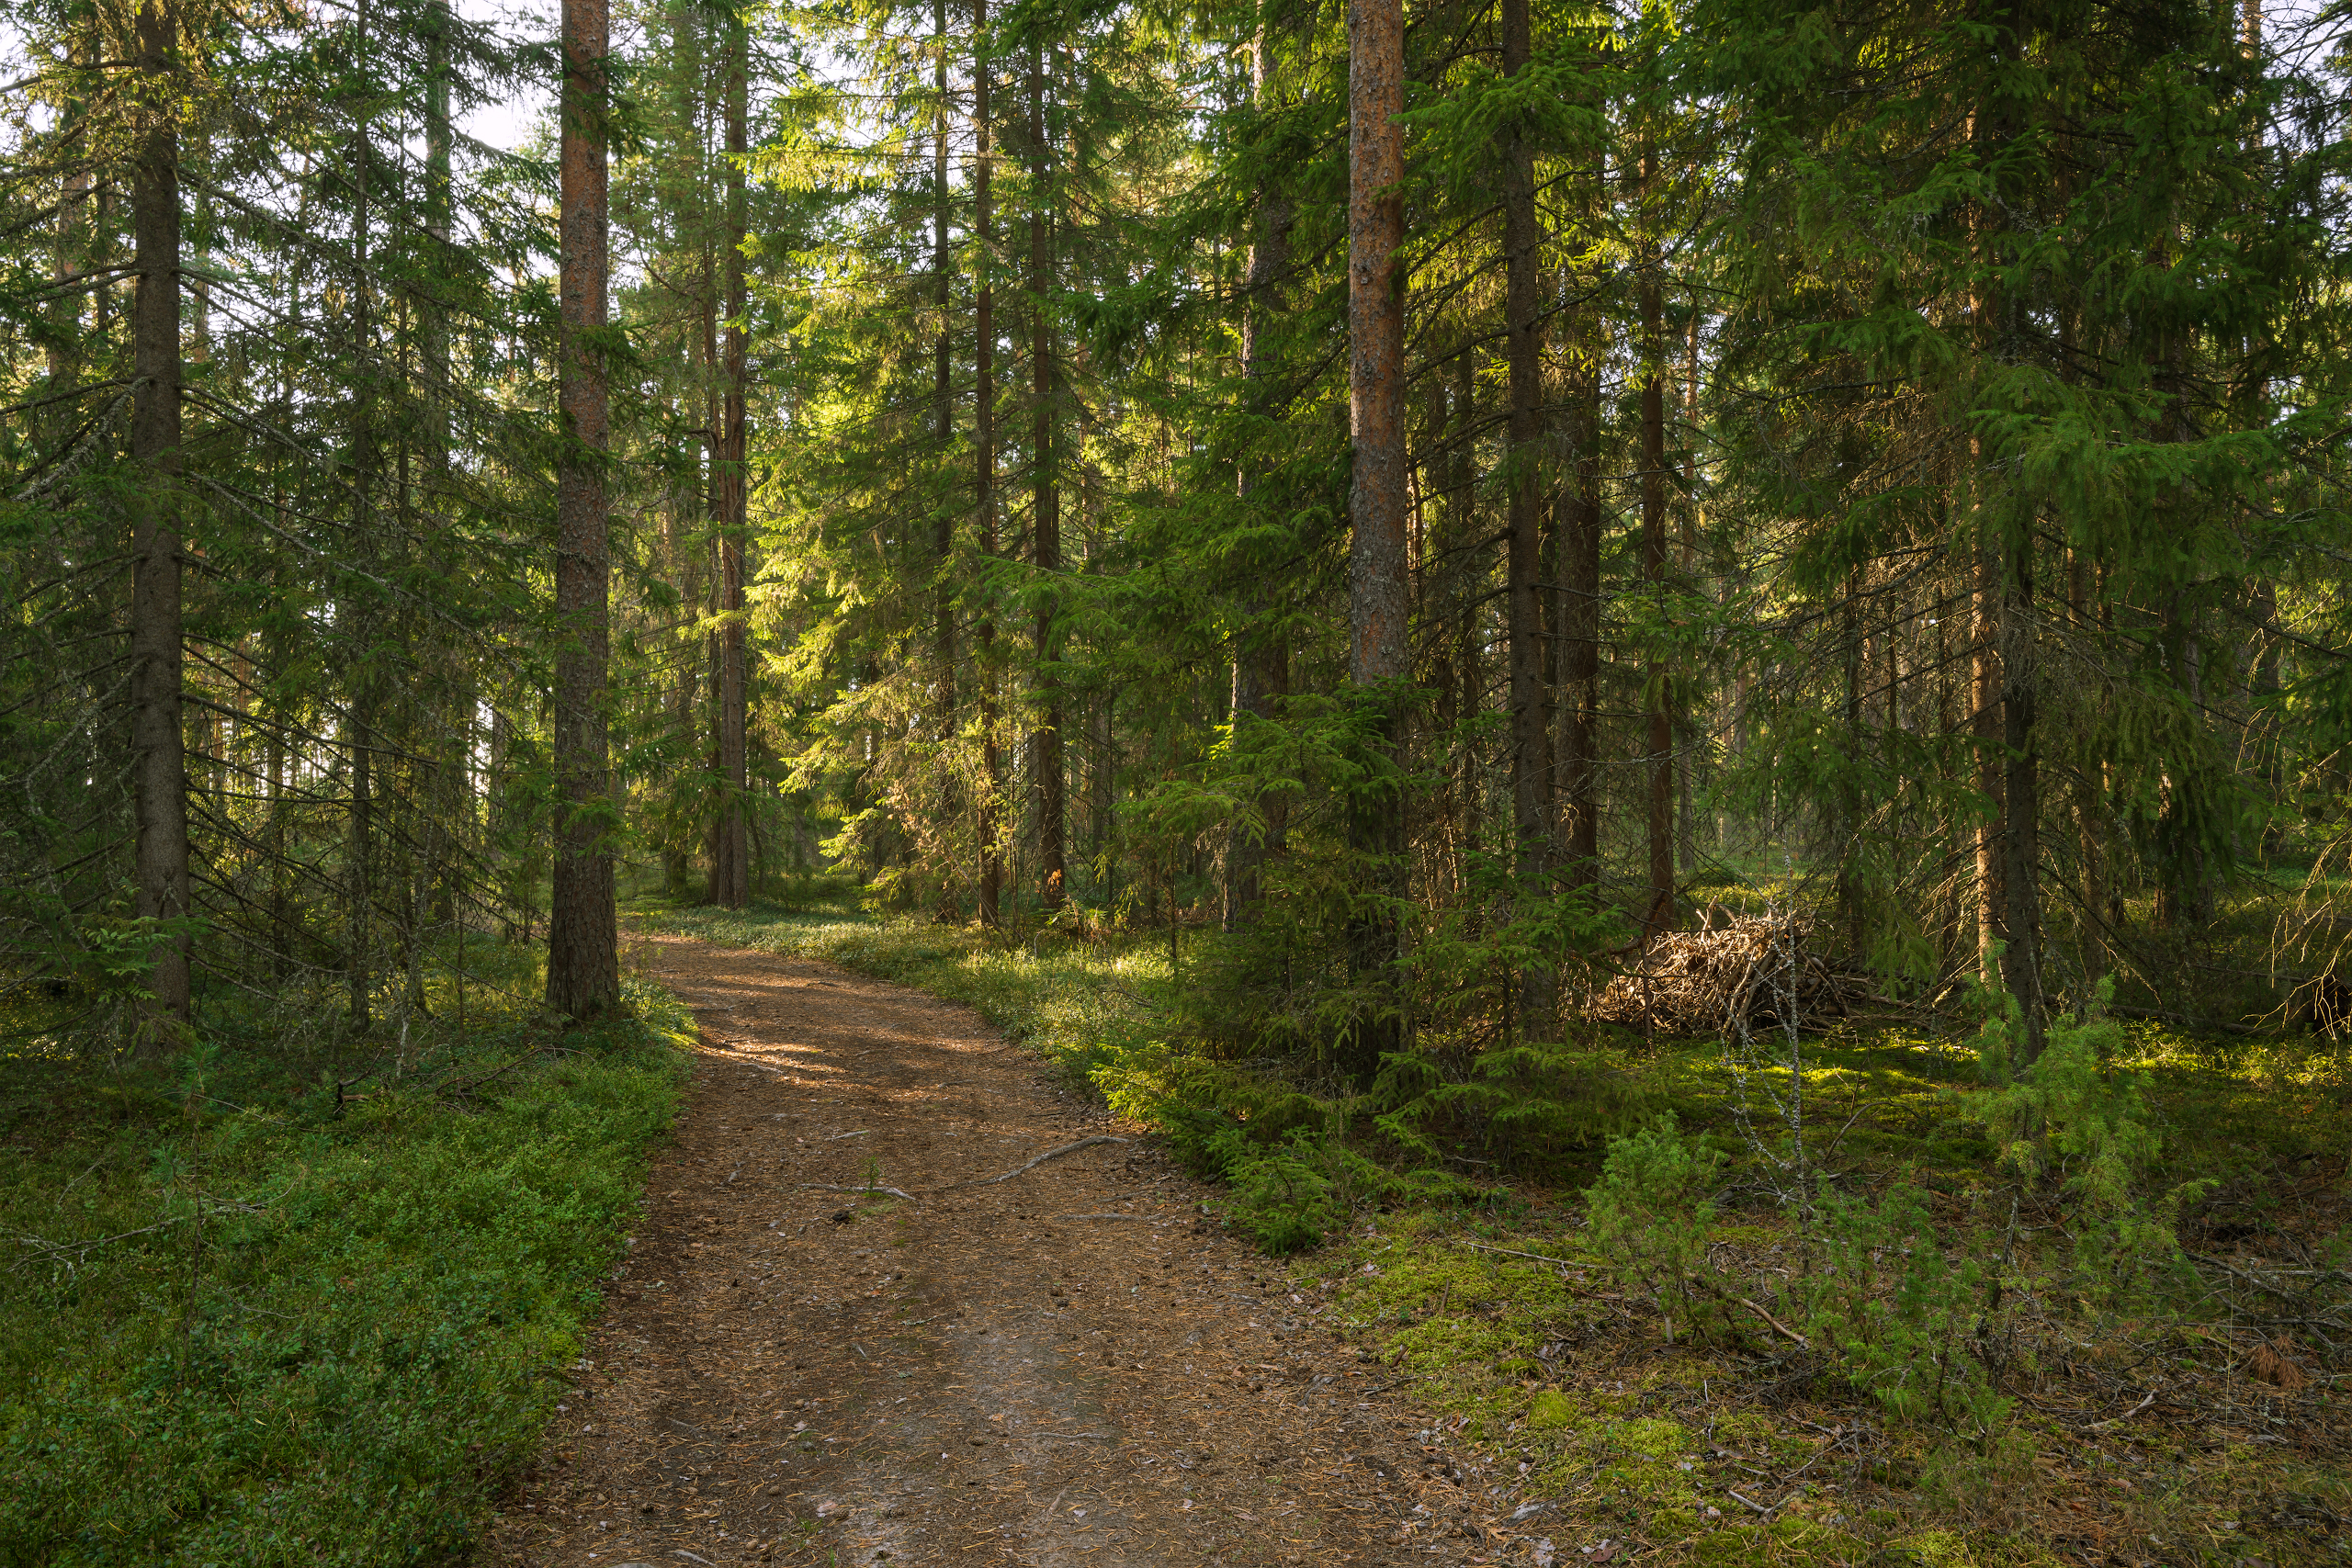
[(1051, 1363)]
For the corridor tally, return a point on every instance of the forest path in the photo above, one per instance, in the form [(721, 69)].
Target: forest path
[(1064, 1367)]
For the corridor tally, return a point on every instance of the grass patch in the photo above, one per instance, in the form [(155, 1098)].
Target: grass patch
[(248, 1318)]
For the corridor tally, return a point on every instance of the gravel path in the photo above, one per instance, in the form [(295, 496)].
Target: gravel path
[(1067, 1365)]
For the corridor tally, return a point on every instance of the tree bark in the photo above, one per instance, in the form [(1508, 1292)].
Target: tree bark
[(1530, 756), (1657, 913), (1580, 645), (1046, 532), (1378, 596), (158, 750), (1987, 726), (583, 957), (2021, 870), (1378, 601), (984, 437), (942, 634), (730, 871)]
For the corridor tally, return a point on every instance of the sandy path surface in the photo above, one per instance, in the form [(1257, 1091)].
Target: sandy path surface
[(1065, 1366)]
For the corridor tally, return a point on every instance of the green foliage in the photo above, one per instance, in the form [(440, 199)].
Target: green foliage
[(1897, 1313), (1529, 1106), (2075, 1116), (1647, 1219), (275, 1332)]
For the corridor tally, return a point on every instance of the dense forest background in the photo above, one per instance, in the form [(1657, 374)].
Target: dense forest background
[(1440, 529), (1745, 602)]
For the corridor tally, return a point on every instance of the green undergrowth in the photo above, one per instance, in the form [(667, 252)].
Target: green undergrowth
[(279, 1302)]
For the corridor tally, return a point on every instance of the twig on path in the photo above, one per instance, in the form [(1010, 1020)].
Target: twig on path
[(1049, 1153), (820, 1187)]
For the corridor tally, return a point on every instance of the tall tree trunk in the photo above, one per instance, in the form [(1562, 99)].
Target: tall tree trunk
[(984, 437), (438, 215), (1580, 644), (1987, 726), (1531, 770), (942, 634), (160, 760), (360, 909), (984, 429), (1260, 654), (2021, 870), (730, 871), (1378, 602), (583, 956), (1046, 533), (1657, 914)]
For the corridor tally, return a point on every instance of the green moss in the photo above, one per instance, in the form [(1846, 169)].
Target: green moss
[(1939, 1549), (1551, 1410)]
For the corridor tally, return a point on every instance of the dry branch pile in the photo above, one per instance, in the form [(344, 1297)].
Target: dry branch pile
[(1744, 968)]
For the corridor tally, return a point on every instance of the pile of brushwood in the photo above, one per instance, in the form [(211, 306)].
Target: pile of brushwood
[(1742, 969)]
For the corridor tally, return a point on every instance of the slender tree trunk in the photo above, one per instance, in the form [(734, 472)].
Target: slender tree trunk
[(160, 760), (943, 635), (438, 214), (1988, 725), (1378, 602), (1377, 588), (2089, 806), (730, 871), (1530, 756), (2021, 870), (71, 242), (360, 909), (1580, 646), (984, 437), (1657, 914), (1261, 655), (1046, 533), (583, 956)]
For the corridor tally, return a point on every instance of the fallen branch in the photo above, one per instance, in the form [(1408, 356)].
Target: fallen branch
[(2119, 1421), (820, 1187), (1049, 1153), (1775, 1322), (1750, 1502)]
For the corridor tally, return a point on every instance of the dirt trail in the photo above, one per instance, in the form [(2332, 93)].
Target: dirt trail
[(1064, 1367)]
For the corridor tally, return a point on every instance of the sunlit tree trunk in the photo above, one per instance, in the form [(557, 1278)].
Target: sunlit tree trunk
[(984, 437), (1045, 532), (730, 871), (942, 634), (584, 959), (1531, 762), (1378, 599)]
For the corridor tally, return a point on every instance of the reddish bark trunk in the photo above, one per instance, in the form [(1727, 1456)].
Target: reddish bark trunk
[(584, 959), (1377, 599), (984, 437), (1531, 769), (1045, 740), (730, 871)]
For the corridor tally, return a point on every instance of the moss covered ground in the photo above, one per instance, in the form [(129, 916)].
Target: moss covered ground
[(304, 1298)]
